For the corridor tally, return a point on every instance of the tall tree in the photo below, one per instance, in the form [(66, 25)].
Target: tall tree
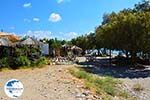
[(126, 30), (142, 6)]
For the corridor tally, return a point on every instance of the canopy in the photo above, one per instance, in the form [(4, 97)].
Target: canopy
[(5, 42), (76, 48), (11, 37)]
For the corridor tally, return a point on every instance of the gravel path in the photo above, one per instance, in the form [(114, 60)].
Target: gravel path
[(129, 76), (144, 83), (49, 83)]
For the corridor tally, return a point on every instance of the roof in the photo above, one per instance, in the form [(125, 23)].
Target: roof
[(29, 41), (66, 46), (5, 42), (76, 48), (11, 37)]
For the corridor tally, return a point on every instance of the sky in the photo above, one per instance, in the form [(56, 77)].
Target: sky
[(62, 19)]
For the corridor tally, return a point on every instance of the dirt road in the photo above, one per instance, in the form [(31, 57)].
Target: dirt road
[(49, 83)]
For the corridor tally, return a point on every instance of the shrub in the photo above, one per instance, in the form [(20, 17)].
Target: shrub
[(4, 62), (40, 62), (137, 87), (21, 61), (81, 74)]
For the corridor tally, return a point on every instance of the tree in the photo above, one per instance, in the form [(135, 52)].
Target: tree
[(81, 42), (142, 6), (126, 30), (91, 41)]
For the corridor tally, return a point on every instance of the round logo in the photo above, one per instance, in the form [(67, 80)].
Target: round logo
[(13, 88)]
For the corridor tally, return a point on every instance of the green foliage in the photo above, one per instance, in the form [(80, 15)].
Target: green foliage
[(142, 6), (21, 56), (41, 61), (124, 94), (128, 30), (21, 61), (25, 50), (6, 52), (18, 52), (4, 62), (85, 42), (81, 42), (104, 86), (54, 45), (81, 75)]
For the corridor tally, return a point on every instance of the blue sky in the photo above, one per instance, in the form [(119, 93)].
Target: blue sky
[(63, 19)]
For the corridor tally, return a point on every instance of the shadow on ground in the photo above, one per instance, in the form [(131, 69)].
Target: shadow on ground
[(101, 67)]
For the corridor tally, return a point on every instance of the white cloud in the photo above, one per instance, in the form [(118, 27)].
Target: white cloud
[(72, 35), (12, 28), (61, 1), (89, 32), (36, 19), (27, 5), (39, 34), (54, 17), (26, 20), (68, 36)]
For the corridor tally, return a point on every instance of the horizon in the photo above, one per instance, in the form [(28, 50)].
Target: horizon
[(62, 19)]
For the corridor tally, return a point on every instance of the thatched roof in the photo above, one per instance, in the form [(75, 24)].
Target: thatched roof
[(5, 42), (12, 38), (76, 48), (66, 46), (29, 41)]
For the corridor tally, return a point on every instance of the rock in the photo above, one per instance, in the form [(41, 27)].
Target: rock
[(116, 98), (68, 90), (77, 90), (80, 95), (89, 97), (45, 96), (79, 99), (55, 89), (79, 86), (87, 92), (59, 70), (95, 97)]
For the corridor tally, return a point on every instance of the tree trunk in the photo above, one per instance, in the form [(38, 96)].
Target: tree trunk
[(127, 54), (133, 57), (98, 52), (110, 56)]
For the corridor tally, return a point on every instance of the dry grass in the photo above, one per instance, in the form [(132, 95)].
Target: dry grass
[(137, 87), (106, 87)]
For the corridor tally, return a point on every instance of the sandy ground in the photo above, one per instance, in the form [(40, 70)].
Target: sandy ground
[(49, 83), (55, 83), (144, 83)]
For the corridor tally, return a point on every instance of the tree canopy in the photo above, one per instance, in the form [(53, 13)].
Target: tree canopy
[(127, 30)]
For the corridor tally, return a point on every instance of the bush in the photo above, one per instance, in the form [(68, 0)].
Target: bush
[(137, 87), (4, 62), (39, 62), (21, 61)]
